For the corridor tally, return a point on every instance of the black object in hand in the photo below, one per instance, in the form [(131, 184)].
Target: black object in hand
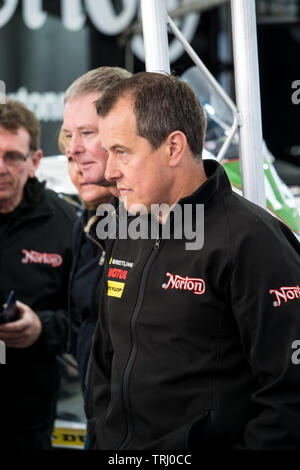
[(10, 312)]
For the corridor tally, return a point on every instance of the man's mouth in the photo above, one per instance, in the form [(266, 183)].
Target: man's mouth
[(4, 184), (123, 190), (87, 165)]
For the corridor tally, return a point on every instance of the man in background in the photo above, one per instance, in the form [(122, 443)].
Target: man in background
[(86, 163), (35, 262), (80, 126)]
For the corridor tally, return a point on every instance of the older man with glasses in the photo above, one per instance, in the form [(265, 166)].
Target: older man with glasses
[(35, 262)]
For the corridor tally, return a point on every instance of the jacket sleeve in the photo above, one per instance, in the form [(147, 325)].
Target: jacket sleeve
[(74, 317), (54, 336), (56, 320), (265, 300)]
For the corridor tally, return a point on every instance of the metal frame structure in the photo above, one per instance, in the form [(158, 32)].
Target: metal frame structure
[(247, 114)]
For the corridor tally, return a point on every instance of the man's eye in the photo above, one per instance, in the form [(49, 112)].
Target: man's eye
[(13, 157), (70, 159), (87, 132), (122, 153)]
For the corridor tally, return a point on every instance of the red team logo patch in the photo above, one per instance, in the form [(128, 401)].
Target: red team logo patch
[(117, 273), (285, 294), (193, 284), (31, 256)]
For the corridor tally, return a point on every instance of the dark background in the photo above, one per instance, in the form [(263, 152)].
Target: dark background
[(50, 58)]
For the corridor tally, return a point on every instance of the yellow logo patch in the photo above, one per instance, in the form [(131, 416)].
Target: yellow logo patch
[(115, 289)]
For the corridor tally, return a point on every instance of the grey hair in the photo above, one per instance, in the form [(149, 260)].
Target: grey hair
[(100, 79)]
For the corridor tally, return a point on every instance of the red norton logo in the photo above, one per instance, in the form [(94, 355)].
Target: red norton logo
[(285, 294), (193, 284), (31, 256), (117, 273)]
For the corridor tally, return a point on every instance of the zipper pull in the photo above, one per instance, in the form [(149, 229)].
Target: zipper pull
[(157, 243), (102, 259)]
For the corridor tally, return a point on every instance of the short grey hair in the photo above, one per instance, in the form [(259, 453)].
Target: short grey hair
[(100, 79)]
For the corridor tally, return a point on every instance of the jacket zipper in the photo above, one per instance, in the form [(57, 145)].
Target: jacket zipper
[(129, 365)]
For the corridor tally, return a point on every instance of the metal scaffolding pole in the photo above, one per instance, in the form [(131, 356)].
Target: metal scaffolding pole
[(154, 19), (244, 40)]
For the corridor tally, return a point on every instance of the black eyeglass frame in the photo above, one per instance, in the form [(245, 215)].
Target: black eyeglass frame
[(22, 158)]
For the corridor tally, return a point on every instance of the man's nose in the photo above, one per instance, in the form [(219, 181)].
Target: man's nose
[(75, 145), (112, 170), (3, 166)]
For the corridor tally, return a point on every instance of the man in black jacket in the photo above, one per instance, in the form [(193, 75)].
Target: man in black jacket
[(79, 139), (200, 314), (35, 261)]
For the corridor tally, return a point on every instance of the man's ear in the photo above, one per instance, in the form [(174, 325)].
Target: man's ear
[(177, 144), (35, 161)]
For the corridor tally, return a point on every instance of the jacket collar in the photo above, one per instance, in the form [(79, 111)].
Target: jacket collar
[(35, 202), (216, 185)]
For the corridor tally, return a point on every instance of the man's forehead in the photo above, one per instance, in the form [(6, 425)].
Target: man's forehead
[(86, 101), (80, 123), (117, 123), (81, 112), (118, 127), (121, 114), (124, 103), (15, 137)]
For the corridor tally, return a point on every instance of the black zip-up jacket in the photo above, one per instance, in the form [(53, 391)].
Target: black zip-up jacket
[(35, 261), (194, 349), (84, 294)]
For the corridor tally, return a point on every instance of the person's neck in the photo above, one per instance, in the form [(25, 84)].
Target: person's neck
[(187, 182), (9, 205)]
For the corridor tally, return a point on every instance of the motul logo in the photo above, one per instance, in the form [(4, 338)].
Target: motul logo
[(117, 273), (285, 294), (31, 256), (193, 284)]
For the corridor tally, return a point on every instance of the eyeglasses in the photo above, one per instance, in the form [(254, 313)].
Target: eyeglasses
[(14, 158)]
